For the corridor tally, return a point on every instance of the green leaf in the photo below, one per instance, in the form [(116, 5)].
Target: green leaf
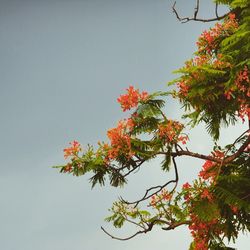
[(166, 162)]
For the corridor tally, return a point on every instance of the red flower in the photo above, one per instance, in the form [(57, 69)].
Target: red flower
[(170, 131), (186, 186), (144, 96), (132, 98), (234, 209), (206, 195), (73, 150), (120, 140), (231, 16), (67, 168), (183, 88)]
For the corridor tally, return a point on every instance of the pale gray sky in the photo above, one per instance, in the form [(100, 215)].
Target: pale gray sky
[(62, 66)]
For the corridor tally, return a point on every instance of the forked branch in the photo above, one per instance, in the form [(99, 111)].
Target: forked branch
[(149, 228), (196, 10), (158, 188)]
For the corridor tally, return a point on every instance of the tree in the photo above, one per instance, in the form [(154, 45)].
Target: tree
[(214, 89)]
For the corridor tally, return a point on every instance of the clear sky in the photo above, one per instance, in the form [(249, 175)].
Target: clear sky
[(62, 66)]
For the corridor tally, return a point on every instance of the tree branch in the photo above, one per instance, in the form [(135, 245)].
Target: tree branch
[(174, 225), (146, 195), (195, 155), (196, 10), (236, 140), (216, 10), (134, 168), (214, 159), (159, 188), (149, 228), (240, 150)]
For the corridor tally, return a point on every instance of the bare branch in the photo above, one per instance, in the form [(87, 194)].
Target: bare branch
[(236, 140), (216, 10), (159, 188), (149, 228), (174, 225), (195, 155), (133, 222), (134, 168), (240, 150), (214, 159), (147, 195), (196, 10), (176, 175)]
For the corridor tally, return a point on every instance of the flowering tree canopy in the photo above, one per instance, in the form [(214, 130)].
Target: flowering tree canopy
[(214, 88)]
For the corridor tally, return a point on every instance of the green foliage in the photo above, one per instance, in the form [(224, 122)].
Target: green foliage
[(213, 88), (167, 160), (205, 209), (207, 81)]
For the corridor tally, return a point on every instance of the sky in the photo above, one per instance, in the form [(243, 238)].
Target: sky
[(62, 66)]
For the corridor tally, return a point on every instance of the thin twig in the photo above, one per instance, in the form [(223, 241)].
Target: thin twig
[(150, 226), (216, 10), (135, 168), (236, 140), (159, 188), (187, 19), (176, 176), (196, 10), (174, 225), (132, 222), (240, 150)]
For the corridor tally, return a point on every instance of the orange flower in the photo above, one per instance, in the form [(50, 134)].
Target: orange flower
[(206, 195), (120, 139), (207, 170), (132, 98), (183, 88), (171, 130), (234, 209), (73, 150), (208, 40), (68, 168), (231, 16), (186, 186)]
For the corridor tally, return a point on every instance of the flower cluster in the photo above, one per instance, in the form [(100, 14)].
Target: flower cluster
[(132, 98), (68, 168), (243, 84), (200, 228), (241, 78), (183, 88), (244, 110), (241, 91), (120, 140), (207, 55), (200, 231), (210, 169), (193, 192), (208, 40), (164, 195), (73, 150), (170, 131), (220, 63), (205, 194)]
